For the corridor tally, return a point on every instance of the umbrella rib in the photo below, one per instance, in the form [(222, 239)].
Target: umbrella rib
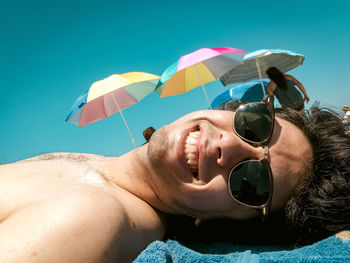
[(261, 81), (200, 80), (120, 111)]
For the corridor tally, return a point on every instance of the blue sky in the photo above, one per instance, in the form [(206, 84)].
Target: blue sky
[(52, 51)]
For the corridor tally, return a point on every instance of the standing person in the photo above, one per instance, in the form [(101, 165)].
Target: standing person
[(283, 87), (71, 207)]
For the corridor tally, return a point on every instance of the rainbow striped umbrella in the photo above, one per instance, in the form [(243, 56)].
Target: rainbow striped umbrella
[(197, 69), (111, 95)]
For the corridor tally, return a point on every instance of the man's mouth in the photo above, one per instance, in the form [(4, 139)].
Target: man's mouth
[(191, 152)]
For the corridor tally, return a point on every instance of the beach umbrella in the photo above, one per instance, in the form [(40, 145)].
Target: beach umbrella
[(248, 92), (256, 63), (197, 69), (111, 95)]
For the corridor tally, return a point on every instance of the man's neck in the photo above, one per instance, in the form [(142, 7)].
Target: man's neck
[(130, 172)]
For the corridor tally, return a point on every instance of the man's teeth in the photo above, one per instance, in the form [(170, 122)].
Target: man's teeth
[(191, 151)]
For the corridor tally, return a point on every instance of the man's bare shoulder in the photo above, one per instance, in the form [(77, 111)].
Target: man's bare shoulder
[(79, 224), (76, 225), (64, 201)]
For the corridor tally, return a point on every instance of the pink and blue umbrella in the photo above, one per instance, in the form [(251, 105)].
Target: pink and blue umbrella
[(111, 95)]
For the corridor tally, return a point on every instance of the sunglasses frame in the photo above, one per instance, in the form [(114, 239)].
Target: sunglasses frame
[(263, 209)]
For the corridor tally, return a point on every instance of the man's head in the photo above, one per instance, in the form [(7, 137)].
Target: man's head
[(193, 156)]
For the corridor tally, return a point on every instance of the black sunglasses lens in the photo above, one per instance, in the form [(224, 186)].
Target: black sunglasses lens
[(250, 183), (253, 122)]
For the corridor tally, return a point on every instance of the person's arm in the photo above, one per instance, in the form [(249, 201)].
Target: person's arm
[(300, 86), (271, 87)]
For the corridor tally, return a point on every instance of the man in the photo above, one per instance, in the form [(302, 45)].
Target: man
[(65, 207)]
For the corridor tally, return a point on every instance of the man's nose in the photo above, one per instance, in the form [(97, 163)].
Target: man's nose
[(232, 150)]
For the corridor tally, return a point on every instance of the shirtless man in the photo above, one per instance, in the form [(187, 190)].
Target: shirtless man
[(68, 207)]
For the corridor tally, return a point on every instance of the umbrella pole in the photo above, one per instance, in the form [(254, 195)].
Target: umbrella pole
[(120, 111), (260, 76), (205, 93)]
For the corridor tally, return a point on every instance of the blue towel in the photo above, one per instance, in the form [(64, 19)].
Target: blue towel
[(329, 250)]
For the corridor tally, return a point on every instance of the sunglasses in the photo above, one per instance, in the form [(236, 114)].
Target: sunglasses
[(250, 182)]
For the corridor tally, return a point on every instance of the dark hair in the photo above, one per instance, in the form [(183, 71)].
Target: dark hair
[(277, 76), (147, 133), (320, 205)]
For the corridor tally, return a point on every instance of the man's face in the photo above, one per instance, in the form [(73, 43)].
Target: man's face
[(192, 157)]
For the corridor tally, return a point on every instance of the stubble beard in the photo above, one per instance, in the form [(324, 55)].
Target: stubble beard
[(156, 156), (157, 147)]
